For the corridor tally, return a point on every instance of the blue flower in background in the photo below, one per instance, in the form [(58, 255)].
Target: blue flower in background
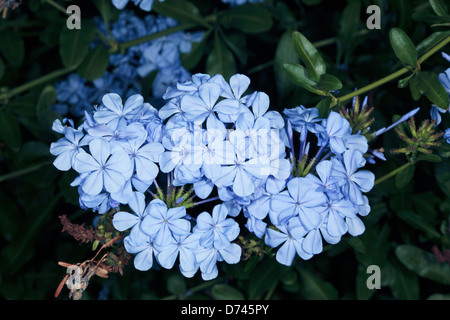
[(145, 5), (240, 2), (447, 135)]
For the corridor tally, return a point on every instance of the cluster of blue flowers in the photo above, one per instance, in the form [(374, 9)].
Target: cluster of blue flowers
[(435, 111), (213, 134), (126, 71), (240, 2), (114, 151), (145, 5)]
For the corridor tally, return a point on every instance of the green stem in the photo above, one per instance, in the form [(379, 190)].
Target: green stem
[(393, 173), (50, 76), (23, 171), (371, 86), (57, 6), (392, 76), (124, 45)]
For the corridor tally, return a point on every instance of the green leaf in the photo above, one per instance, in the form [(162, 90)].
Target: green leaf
[(226, 292), (191, 59), (20, 249), (429, 85), (248, 18), (2, 68), (348, 28), (357, 244), (298, 74), (329, 83), (415, 93), (176, 284), (74, 44), (324, 107), (439, 7), (221, 60), (263, 278), (429, 158), (442, 175), (423, 263), (403, 177), (309, 55), (316, 288), (94, 64), (285, 53), (105, 9), (10, 132), (439, 296), (419, 223), (181, 10), (12, 46), (404, 284), (362, 291), (403, 47), (432, 40), (46, 99)]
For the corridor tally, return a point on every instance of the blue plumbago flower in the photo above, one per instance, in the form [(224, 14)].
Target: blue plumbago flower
[(447, 135), (299, 200), (144, 250), (124, 220), (104, 169), (145, 5), (116, 115), (184, 248), (291, 237), (435, 114), (67, 148), (162, 224), (216, 230)]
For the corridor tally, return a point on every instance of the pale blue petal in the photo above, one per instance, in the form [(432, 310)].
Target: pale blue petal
[(93, 184), (143, 261), (260, 104), (355, 226), (113, 102), (168, 255), (85, 163), (274, 238), (286, 254), (123, 220), (312, 243), (239, 83), (231, 254)]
